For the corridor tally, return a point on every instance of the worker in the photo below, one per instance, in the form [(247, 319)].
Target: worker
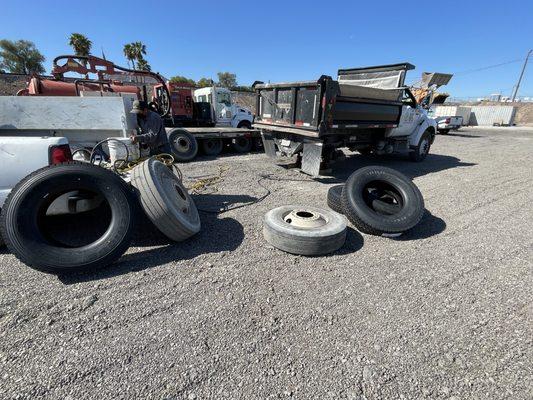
[(153, 132)]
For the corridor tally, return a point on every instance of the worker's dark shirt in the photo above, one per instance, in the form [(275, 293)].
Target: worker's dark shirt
[(153, 132)]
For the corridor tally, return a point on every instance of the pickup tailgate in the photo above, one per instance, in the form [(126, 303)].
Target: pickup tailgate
[(20, 156)]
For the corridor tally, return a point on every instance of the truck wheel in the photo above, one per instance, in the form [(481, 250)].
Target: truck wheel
[(309, 231), (257, 144), (242, 144), (165, 200), (81, 241), (420, 152), (183, 144), (212, 147), (334, 198), (379, 200), (244, 125)]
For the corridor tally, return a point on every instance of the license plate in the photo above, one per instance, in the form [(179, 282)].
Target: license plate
[(285, 142)]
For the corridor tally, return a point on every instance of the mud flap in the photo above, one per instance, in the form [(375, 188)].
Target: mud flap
[(269, 145), (312, 158)]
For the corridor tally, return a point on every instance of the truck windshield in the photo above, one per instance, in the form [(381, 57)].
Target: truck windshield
[(224, 98)]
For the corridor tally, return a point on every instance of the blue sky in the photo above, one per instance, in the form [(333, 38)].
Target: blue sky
[(283, 41)]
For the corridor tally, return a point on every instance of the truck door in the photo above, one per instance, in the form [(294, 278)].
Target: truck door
[(223, 107), (409, 118)]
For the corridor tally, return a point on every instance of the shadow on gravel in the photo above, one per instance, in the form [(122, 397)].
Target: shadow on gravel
[(463, 135), (217, 235), (341, 170), (430, 225), (354, 242)]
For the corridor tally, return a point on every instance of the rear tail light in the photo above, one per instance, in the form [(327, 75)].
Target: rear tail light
[(447, 120), (60, 154)]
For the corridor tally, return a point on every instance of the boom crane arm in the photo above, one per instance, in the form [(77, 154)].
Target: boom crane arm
[(95, 65)]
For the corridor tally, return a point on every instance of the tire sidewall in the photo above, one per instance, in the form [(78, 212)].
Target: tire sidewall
[(176, 134), (404, 220), (27, 242)]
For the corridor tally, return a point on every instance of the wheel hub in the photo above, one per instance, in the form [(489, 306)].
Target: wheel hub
[(182, 144), (305, 219)]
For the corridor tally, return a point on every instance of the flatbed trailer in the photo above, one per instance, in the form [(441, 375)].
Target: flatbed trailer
[(365, 109), (185, 141)]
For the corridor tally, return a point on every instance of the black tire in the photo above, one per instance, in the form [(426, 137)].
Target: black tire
[(183, 144), (38, 241), (444, 131), (379, 200), (334, 198), (212, 147), (257, 144), (244, 125), (241, 144), (421, 150), (281, 231)]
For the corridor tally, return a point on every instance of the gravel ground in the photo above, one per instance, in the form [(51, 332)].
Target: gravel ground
[(444, 312)]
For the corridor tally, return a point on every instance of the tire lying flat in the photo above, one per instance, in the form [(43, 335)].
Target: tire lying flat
[(29, 238), (165, 200), (308, 231), (379, 200), (334, 198)]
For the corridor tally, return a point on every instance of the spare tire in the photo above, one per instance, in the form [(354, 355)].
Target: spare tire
[(308, 231), (379, 200), (82, 241), (334, 198), (183, 144), (165, 200)]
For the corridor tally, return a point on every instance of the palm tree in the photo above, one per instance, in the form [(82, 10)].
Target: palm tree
[(143, 65), (130, 54), (139, 50), (81, 44)]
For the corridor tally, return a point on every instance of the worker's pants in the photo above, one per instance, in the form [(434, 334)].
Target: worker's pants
[(164, 148)]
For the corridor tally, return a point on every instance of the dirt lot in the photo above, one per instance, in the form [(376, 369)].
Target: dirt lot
[(444, 312)]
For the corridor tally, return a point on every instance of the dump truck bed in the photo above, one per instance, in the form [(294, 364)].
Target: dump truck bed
[(360, 98)]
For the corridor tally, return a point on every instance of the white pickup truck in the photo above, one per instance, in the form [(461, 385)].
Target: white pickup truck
[(446, 124), (20, 156)]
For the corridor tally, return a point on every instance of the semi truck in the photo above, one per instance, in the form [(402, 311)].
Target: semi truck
[(369, 110)]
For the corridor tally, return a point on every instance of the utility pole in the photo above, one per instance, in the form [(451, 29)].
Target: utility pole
[(521, 76)]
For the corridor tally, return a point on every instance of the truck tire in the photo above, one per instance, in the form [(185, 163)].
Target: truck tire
[(444, 131), (334, 198), (402, 204), (242, 144), (165, 200), (39, 242), (257, 144), (183, 144), (420, 151), (308, 231), (212, 147)]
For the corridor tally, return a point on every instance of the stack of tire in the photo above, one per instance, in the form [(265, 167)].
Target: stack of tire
[(154, 187), (378, 201)]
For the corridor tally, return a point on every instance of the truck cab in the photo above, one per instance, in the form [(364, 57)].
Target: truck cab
[(226, 113)]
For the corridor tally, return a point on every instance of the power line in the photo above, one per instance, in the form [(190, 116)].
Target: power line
[(487, 67)]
